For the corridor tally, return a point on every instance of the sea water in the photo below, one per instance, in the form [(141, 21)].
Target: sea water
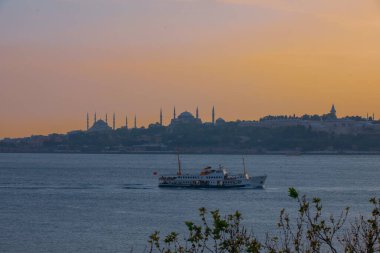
[(111, 203)]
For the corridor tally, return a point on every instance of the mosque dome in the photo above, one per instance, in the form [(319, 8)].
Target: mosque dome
[(185, 118), (100, 126), (186, 115), (220, 121)]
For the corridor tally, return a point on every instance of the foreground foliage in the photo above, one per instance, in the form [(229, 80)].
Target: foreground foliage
[(310, 232)]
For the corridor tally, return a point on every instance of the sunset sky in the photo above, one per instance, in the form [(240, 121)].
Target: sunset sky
[(60, 59)]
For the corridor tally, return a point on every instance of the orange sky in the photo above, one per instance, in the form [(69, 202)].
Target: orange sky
[(249, 58)]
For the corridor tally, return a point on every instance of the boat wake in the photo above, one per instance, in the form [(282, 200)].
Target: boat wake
[(136, 187), (48, 187)]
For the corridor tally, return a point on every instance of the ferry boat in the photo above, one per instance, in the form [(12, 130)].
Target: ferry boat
[(212, 178)]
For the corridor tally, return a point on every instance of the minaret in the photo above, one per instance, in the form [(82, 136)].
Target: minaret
[(88, 122), (174, 115), (197, 113), (135, 121), (113, 122), (95, 118), (106, 118), (213, 115), (161, 116), (126, 122)]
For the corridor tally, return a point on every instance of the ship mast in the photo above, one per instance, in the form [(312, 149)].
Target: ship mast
[(245, 170), (179, 166)]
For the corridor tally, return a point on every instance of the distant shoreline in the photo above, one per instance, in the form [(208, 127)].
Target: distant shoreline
[(283, 153)]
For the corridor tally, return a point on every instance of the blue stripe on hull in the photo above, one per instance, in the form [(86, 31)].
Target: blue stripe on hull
[(209, 186)]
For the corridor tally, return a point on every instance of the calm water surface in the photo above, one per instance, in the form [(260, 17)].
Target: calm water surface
[(110, 203)]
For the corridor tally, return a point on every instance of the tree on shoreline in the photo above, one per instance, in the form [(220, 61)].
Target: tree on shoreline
[(310, 232)]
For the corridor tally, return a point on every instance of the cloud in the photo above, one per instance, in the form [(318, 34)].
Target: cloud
[(348, 14)]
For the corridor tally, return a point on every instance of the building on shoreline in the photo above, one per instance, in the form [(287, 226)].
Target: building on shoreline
[(325, 123), (328, 123)]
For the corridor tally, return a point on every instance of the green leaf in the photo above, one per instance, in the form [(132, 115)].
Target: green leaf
[(293, 193)]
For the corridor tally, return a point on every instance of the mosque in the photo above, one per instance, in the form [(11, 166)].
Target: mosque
[(100, 125), (184, 118), (187, 118)]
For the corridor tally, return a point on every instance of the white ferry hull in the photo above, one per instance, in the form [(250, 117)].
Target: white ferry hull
[(257, 182)]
